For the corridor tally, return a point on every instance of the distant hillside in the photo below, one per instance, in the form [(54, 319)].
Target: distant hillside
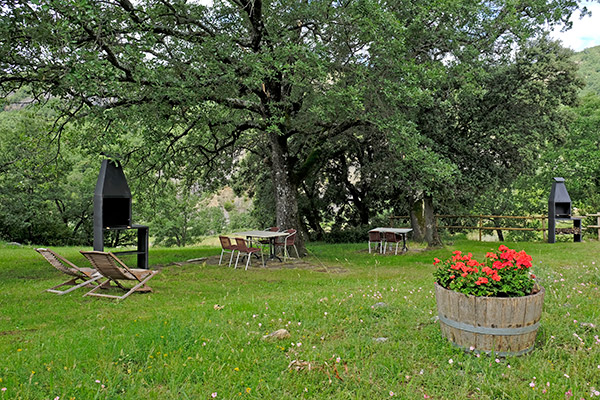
[(589, 68)]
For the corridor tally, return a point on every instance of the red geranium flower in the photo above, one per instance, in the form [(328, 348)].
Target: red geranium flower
[(472, 263), (503, 273), (481, 280)]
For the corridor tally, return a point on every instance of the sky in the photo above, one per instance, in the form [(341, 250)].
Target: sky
[(585, 32)]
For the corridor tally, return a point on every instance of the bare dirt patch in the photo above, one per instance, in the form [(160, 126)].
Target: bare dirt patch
[(256, 264)]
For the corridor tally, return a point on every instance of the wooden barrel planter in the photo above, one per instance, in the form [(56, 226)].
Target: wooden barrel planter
[(505, 325)]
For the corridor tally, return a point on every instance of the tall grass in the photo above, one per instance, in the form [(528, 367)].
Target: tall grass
[(362, 326)]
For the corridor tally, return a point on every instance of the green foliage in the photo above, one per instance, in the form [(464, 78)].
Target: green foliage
[(45, 194), (588, 61), (504, 118), (309, 89), (177, 217), (242, 220), (350, 234), (228, 206), (576, 157)]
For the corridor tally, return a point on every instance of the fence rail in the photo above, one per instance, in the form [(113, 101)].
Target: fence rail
[(482, 219)]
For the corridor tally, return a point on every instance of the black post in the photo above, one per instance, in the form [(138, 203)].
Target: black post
[(142, 247)]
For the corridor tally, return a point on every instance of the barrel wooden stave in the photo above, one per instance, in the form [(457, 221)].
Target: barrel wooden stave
[(489, 312)]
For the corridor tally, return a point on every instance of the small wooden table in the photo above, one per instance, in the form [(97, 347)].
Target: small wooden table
[(398, 231), (271, 236)]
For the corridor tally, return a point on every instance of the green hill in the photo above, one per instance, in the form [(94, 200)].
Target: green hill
[(589, 68)]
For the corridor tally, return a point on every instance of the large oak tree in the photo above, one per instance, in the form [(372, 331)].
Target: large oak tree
[(187, 89)]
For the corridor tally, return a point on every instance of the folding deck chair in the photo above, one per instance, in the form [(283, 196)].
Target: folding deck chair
[(87, 275), (115, 271)]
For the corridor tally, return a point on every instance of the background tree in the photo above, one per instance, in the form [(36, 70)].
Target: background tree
[(177, 216), (588, 61), (576, 157), (194, 81), (44, 189), (488, 124), (186, 90)]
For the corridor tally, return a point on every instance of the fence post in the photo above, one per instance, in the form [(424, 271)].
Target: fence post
[(543, 227), (480, 226)]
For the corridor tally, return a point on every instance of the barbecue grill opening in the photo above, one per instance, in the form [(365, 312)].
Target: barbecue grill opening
[(562, 210), (115, 213)]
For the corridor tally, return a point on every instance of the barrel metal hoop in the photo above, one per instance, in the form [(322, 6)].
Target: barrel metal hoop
[(489, 331)]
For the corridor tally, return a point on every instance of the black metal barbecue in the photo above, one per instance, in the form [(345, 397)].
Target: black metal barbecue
[(559, 210), (112, 210)]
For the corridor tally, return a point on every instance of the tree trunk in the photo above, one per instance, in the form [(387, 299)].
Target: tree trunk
[(356, 195), (422, 220), (417, 218), (116, 238), (286, 191), (431, 234), (499, 231)]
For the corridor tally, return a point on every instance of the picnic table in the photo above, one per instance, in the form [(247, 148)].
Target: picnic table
[(269, 235), (397, 231)]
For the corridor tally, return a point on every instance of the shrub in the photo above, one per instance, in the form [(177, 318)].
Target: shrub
[(354, 234)]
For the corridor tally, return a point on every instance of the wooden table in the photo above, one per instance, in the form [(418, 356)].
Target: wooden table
[(271, 236), (398, 231)]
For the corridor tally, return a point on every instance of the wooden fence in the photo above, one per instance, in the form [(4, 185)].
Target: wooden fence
[(483, 223)]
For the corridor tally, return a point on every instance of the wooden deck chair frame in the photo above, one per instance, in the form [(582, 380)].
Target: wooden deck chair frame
[(115, 270), (88, 276)]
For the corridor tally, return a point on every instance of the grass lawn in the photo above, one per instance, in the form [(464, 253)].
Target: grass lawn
[(175, 344)]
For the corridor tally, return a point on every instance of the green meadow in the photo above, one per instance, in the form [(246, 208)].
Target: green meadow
[(362, 326)]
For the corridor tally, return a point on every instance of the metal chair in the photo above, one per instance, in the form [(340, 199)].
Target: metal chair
[(243, 249), (267, 242), (227, 247), (376, 237), (289, 240), (391, 237)]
